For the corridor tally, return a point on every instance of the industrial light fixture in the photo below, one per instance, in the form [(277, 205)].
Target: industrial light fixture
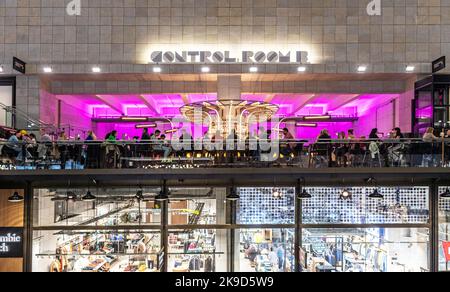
[(146, 126), (157, 70), (301, 192), (301, 69), (446, 194), (233, 195), (139, 195), (89, 197), (48, 70), (96, 70), (306, 125), (134, 119), (318, 117), (253, 69), (362, 68), (15, 198), (346, 194), (206, 70), (410, 68), (376, 195), (164, 194), (71, 197)]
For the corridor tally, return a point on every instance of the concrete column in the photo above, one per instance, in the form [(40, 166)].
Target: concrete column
[(229, 87)]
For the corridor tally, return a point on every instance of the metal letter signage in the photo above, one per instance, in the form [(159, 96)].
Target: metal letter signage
[(374, 8), (226, 57), (19, 65), (439, 64), (74, 8), (11, 242)]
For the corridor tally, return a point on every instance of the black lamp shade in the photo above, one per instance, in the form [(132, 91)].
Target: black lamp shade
[(89, 197), (15, 198)]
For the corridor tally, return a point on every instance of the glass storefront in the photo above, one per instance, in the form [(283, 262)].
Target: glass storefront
[(122, 231), (444, 233)]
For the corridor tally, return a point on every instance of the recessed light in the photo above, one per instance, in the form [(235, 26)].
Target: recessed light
[(206, 69), (48, 69), (301, 69), (96, 69), (362, 68), (253, 69), (1, 69), (157, 70), (410, 68)]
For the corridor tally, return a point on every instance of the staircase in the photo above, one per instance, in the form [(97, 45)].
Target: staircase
[(194, 218), (31, 124)]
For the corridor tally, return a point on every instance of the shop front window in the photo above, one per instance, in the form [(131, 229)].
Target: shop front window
[(355, 206), (119, 207), (197, 250), (266, 205), (97, 251), (365, 250), (444, 232), (266, 250)]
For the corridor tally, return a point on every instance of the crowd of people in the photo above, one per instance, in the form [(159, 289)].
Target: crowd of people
[(344, 151)]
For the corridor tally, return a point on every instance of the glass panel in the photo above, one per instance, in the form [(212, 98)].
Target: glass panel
[(62, 207), (444, 232), (266, 250), (266, 206), (201, 206), (105, 251), (404, 205), (365, 250), (197, 250)]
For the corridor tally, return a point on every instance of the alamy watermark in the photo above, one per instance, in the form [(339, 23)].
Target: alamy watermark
[(74, 8)]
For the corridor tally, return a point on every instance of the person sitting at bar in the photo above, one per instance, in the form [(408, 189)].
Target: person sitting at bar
[(429, 147), (288, 145), (323, 147), (164, 144), (145, 135), (13, 147), (339, 155)]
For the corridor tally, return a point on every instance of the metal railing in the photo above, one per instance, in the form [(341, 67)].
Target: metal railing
[(228, 153)]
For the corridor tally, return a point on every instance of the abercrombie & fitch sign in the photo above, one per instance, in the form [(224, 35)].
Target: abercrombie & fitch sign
[(245, 57), (11, 242)]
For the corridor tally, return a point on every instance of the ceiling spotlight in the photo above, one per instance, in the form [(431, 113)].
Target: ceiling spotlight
[(48, 70), (157, 70), (1, 69), (410, 68), (301, 69), (253, 69), (233, 195), (96, 69), (15, 198), (206, 70), (277, 194), (376, 195), (139, 196), (362, 69), (89, 197), (346, 194), (446, 194)]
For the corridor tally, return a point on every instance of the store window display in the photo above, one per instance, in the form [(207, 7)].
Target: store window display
[(105, 251), (197, 250), (398, 206), (365, 250), (118, 207), (444, 232), (266, 250), (266, 206)]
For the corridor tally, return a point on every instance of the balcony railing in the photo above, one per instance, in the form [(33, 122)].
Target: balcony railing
[(226, 154)]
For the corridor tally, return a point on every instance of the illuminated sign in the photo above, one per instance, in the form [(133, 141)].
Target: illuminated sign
[(11, 242), (227, 57)]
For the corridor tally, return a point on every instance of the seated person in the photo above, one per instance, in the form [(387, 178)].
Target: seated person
[(13, 147)]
